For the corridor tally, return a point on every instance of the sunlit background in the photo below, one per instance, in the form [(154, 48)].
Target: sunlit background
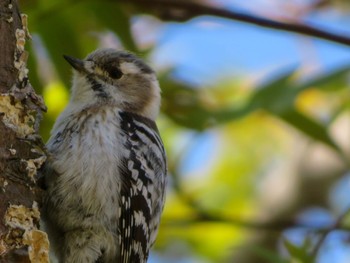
[(256, 122)]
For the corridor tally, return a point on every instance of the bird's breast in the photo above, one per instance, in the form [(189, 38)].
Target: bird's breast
[(87, 154)]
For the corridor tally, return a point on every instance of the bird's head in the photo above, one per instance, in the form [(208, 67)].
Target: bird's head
[(108, 76)]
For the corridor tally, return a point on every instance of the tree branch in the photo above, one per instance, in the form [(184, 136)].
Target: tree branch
[(184, 10), (277, 226)]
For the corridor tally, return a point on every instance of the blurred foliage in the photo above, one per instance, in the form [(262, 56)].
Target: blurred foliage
[(254, 128)]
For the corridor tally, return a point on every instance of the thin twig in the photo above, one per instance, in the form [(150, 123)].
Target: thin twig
[(184, 10), (253, 225), (337, 225)]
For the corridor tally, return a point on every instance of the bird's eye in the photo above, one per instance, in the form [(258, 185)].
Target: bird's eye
[(114, 72)]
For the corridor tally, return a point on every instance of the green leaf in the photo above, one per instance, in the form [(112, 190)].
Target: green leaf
[(299, 253), (275, 96), (278, 96), (308, 126), (268, 255), (335, 80), (181, 103)]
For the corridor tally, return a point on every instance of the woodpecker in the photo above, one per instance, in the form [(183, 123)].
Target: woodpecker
[(106, 171)]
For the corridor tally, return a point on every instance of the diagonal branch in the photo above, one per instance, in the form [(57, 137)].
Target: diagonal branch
[(336, 226), (184, 10)]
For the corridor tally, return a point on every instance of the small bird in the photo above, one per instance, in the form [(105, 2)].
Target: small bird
[(106, 171)]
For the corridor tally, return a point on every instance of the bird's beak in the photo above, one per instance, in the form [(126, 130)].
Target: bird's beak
[(75, 63)]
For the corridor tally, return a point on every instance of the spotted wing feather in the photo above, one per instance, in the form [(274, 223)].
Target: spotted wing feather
[(143, 176)]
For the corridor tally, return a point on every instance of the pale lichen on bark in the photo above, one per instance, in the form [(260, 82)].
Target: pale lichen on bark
[(33, 165), (38, 246), (22, 222), (15, 117)]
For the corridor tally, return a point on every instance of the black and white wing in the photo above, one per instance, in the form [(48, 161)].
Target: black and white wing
[(143, 176)]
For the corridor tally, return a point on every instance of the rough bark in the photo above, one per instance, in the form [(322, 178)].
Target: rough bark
[(21, 149)]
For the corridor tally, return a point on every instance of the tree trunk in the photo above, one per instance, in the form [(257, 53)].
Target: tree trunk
[(21, 149)]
